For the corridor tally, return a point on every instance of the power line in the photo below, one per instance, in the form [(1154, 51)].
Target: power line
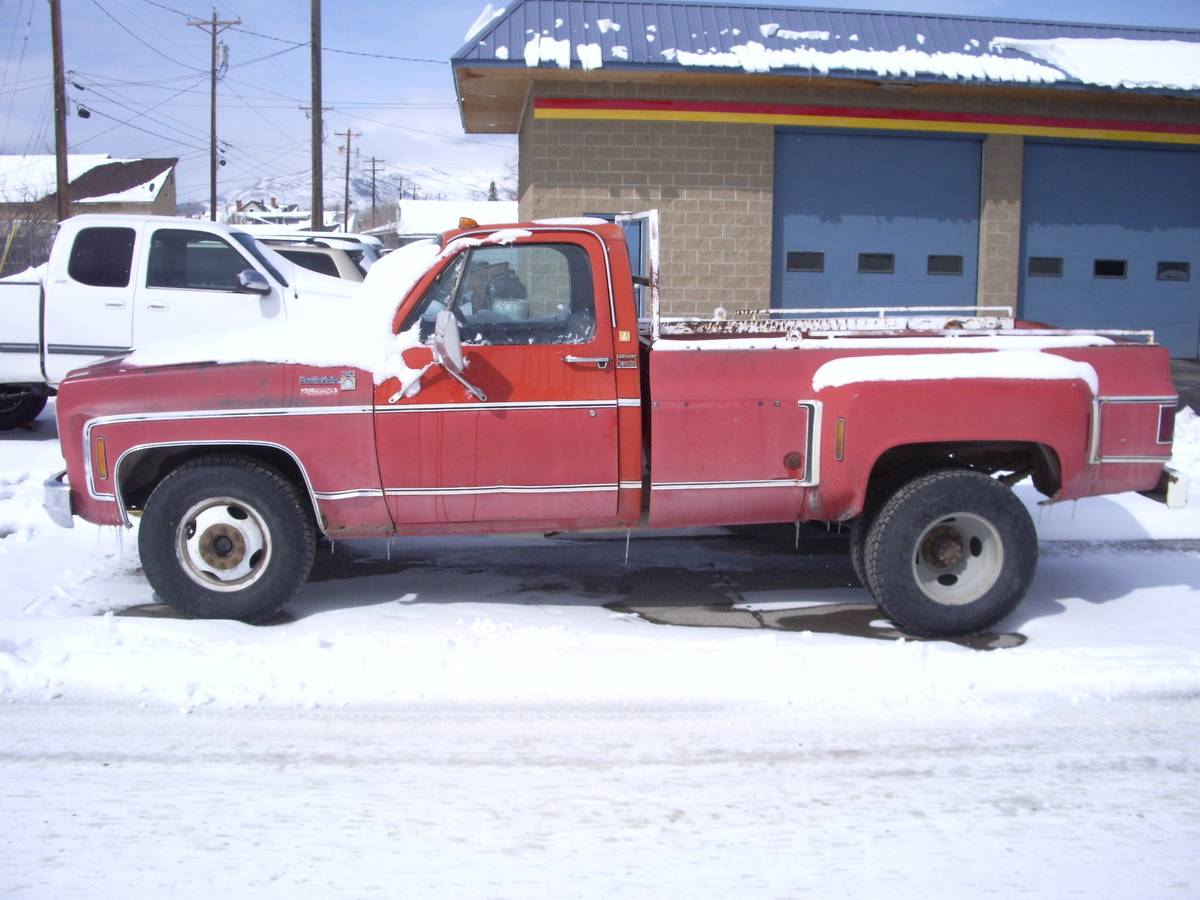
[(138, 38), (147, 110), (177, 12), (271, 37)]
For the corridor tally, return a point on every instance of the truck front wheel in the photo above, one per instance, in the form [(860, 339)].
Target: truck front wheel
[(20, 405), (226, 538), (951, 552)]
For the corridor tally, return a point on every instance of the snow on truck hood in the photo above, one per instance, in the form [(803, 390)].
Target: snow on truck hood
[(356, 333)]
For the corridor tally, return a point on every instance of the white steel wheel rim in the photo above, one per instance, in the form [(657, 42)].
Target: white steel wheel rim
[(223, 544), (957, 559)]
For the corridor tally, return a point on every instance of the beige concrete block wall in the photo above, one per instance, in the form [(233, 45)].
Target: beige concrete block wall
[(1000, 220), (713, 183)]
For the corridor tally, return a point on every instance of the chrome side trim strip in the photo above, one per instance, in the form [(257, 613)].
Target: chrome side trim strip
[(727, 485), (500, 489), (630, 485), (352, 494), (517, 404), (1138, 399), (629, 401), (1134, 459), (86, 349), (116, 495), (18, 348)]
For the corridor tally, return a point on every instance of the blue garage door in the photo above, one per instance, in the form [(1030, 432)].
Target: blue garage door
[(1111, 239), (864, 220)]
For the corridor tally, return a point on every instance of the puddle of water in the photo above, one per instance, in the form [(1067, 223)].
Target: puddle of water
[(849, 619)]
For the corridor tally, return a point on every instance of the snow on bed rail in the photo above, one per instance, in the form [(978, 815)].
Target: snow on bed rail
[(1020, 365), (961, 340)]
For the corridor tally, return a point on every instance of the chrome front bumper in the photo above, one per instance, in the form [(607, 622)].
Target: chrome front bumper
[(56, 500)]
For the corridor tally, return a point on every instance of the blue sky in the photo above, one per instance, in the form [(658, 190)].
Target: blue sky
[(143, 74)]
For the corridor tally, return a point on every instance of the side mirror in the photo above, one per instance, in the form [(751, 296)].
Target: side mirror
[(447, 345), (251, 281)]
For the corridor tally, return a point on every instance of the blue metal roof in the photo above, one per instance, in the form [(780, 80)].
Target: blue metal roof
[(665, 35)]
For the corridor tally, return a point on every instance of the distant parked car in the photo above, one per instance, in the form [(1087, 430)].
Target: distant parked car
[(364, 249), (333, 261)]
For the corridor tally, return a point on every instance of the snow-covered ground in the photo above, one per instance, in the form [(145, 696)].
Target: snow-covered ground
[(504, 717)]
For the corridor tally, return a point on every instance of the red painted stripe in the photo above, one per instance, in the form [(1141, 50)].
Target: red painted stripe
[(779, 109)]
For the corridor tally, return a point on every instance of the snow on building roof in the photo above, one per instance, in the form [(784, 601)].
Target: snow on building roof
[(587, 34), (94, 178), (123, 181), (429, 217), (24, 179)]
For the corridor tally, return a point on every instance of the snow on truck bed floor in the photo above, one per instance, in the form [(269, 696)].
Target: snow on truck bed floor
[(504, 717)]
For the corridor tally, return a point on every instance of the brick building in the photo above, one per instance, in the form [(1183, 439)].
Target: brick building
[(823, 158)]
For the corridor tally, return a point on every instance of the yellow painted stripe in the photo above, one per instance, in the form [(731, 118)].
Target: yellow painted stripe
[(888, 124)]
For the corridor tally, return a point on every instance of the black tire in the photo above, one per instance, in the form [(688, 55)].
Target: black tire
[(226, 538), (951, 552), (20, 405), (859, 529)]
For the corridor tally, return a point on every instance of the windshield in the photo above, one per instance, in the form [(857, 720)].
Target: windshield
[(255, 249)]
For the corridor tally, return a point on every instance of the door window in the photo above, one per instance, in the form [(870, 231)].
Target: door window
[(102, 257), (193, 260), (519, 294)]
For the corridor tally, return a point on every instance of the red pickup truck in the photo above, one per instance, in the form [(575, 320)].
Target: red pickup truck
[(533, 398)]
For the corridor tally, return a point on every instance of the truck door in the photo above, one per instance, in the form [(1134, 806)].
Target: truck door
[(190, 286), (89, 300), (536, 325)]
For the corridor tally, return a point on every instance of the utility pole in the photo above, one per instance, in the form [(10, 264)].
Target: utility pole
[(214, 27), (318, 135), (60, 113), (374, 163), (348, 135)]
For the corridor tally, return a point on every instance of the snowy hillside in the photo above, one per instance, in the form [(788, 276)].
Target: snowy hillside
[(429, 181)]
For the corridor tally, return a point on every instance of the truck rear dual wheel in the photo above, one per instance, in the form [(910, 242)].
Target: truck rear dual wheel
[(20, 405), (226, 538), (951, 552)]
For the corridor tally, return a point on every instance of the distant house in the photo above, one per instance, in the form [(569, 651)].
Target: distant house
[(98, 184), (256, 212)]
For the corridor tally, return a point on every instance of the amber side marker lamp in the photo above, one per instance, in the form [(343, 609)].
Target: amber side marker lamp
[(101, 459)]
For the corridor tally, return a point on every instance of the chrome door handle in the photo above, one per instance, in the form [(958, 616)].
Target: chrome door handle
[(157, 306), (600, 362), (114, 304)]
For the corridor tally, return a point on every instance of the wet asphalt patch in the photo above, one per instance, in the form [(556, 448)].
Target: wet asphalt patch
[(862, 620)]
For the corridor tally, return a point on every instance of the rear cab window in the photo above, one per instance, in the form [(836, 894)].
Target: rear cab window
[(102, 257)]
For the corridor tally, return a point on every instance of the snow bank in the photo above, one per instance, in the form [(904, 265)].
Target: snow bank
[(1011, 365), (1116, 62)]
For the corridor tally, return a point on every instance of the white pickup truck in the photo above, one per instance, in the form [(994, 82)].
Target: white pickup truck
[(114, 282)]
